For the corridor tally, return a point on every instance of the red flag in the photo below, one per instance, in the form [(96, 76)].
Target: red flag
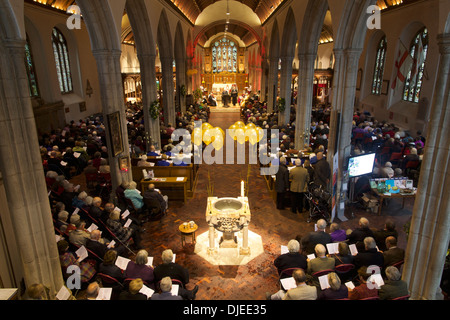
[(403, 65)]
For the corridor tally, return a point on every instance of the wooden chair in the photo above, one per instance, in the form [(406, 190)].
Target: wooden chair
[(322, 272), (91, 180)]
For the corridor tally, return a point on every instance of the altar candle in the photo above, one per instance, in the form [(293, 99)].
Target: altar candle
[(242, 188)]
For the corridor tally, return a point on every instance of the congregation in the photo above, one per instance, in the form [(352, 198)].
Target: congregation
[(84, 151)]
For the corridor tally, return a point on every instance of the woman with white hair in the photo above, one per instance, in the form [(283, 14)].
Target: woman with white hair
[(135, 196), (140, 268), (337, 289)]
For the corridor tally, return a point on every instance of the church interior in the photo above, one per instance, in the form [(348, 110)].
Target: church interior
[(185, 126)]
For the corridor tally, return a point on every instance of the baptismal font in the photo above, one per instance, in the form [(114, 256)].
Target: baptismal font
[(229, 216)]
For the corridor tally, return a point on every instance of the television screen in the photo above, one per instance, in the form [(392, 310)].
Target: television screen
[(361, 165)]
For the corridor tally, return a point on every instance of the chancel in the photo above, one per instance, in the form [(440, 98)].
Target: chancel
[(94, 115)]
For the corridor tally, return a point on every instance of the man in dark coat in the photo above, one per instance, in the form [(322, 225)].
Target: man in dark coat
[(292, 259), (281, 183), (322, 171), (154, 201), (370, 257), (234, 95)]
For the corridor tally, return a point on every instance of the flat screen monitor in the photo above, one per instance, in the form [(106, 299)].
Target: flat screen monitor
[(361, 165)]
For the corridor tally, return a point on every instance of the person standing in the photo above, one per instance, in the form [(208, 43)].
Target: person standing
[(322, 171), (299, 183), (281, 183)]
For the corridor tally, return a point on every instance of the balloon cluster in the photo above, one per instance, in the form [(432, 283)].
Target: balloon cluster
[(209, 135), (242, 133), (238, 131)]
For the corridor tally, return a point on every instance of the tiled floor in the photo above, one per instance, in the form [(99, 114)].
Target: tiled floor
[(250, 281)]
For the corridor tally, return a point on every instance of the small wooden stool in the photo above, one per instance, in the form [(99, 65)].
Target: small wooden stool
[(187, 231)]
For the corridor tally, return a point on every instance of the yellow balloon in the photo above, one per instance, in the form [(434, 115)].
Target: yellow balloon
[(218, 143), (240, 124), (260, 133), (240, 135), (251, 125), (251, 136), (206, 126), (207, 137), (197, 136)]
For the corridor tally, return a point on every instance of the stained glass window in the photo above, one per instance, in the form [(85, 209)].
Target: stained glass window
[(414, 80), (379, 67), (62, 61), (29, 64), (224, 56)]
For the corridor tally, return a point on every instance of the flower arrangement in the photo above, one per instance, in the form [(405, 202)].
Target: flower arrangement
[(281, 104), (155, 110)]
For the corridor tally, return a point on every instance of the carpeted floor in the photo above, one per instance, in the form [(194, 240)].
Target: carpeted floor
[(276, 228)]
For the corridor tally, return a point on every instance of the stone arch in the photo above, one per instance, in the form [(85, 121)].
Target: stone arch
[(100, 23), (289, 39)]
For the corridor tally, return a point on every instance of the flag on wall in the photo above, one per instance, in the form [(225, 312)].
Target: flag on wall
[(419, 58), (403, 65)]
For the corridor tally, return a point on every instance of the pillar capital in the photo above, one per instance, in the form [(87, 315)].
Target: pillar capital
[(444, 43)]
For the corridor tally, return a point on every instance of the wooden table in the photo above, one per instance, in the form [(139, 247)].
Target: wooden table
[(383, 196), (187, 231), (175, 188)]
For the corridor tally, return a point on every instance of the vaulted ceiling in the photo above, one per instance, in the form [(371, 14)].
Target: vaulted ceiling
[(193, 8)]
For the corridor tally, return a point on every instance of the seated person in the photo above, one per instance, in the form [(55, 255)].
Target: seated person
[(179, 159), (140, 269), (152, 196), (313, 238), (168, 268), (143, 162), (337, 234), (292, 259), (370, 257), (301, 292), (321, 262), (152, 152), (360, 233), (381, 235), (166, 287), (122, 233), (133, 291), (134, 196), (80, 235), (394, 286), (109, 267), (95, 210), (344, 256), (337, 289), (361, 290), (393, 254), (163, 162)]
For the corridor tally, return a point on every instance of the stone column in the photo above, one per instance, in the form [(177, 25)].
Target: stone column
[(285, 88), (430, 224), (111, 89), (23, 173), (149, 95), (181, 81), (263, 80), (344, 90), (167, 88), (304, 99), (272, 85)]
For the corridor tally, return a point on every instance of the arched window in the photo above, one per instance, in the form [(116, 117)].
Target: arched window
[(378, 72), (418, 51), (62, 61), (31, 73), (224, 56)]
